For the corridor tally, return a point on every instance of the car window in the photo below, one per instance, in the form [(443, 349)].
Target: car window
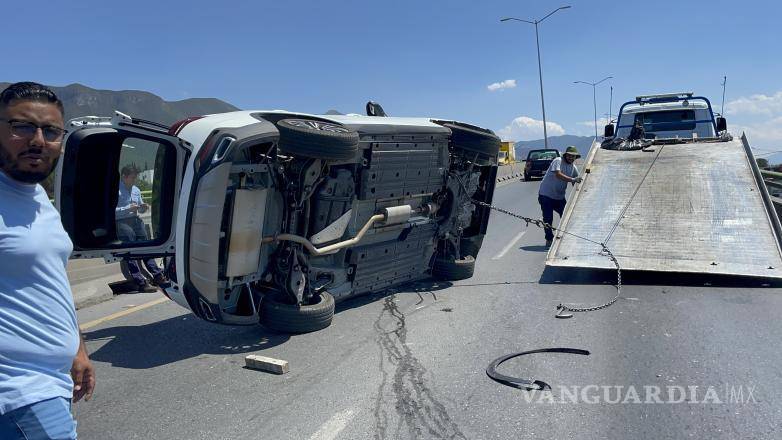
[(137, 214), (673, 120), (542, 155)]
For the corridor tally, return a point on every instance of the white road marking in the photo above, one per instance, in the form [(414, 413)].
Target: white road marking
[(333, 426), (510, 245)]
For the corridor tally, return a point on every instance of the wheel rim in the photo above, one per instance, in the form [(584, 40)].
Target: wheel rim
[(318, 125)]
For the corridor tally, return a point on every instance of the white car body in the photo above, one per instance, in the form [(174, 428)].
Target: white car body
[(237, 150)]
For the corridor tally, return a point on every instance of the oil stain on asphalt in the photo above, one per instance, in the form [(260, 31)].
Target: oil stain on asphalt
[(418, 410)]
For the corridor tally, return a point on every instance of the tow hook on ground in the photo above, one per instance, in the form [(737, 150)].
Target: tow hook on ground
[(526, 384), (561, 313)]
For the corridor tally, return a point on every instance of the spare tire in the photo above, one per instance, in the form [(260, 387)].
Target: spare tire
[(453, 270), (278, 315), (473, 139), (317, 139)]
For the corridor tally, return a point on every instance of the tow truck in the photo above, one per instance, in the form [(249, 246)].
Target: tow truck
[(669, 190)]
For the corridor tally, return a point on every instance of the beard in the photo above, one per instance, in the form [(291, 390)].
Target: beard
[(11, 167)]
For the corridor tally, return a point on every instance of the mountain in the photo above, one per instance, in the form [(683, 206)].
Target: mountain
[(80, 100), (582, 143)]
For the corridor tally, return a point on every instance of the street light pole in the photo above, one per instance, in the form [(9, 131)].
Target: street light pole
[(594, 95), (540, 79), (610, 103), (540, 69)]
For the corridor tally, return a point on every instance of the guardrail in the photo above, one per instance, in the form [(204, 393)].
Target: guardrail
[(773, 181)]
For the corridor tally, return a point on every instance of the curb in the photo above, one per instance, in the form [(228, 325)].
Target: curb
[(94, 291)]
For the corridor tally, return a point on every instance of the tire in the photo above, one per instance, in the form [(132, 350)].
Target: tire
[(290, 318), (474, 139), (317, 139), (454, 270), (527, 177), (471, 246)]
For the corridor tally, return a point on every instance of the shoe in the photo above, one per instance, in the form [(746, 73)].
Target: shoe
[(161, 281), (145, 288), (548, 243)]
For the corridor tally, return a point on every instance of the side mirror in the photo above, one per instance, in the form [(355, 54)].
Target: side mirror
[(608, 131), (722, 124), (375, 109)]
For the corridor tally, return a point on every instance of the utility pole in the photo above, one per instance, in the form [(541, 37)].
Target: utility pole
[(594, 95)]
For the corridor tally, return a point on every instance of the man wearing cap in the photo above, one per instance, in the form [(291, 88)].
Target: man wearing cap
[(44, 365), (551, 194)]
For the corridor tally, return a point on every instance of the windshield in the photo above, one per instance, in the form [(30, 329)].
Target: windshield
[(672, 120), (667, 120), (543, 155)]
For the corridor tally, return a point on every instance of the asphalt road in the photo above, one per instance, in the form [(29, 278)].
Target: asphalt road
[(410, 363)]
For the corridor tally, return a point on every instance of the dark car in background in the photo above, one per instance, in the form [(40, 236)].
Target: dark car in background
[(538, 161)]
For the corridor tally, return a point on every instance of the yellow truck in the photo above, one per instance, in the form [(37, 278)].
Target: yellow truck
[(507, 153)]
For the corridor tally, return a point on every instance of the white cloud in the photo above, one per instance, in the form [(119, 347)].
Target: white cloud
[(587, 128), (507, 84), (526, 128), (759, 116), (756, 105), (601, 122), (765, 133)]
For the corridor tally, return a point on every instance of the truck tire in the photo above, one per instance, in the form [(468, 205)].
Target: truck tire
[(282, 317), (317, 139), (473, 139), (453, 270)]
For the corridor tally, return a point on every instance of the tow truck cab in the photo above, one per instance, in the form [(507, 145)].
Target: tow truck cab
[(668, 116)]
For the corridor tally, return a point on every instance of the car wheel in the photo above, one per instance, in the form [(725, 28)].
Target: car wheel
[(317, 139), (474, 139), (278, 315), (527, 177), (454, 270)]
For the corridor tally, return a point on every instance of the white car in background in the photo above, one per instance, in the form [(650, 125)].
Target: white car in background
[(271, 216)]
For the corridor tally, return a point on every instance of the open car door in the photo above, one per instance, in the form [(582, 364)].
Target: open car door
[(94, 208)]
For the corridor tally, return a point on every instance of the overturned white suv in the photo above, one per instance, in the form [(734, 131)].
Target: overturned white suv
[(271, 216)]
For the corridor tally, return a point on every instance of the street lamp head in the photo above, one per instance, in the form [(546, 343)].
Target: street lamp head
[(565, 7)]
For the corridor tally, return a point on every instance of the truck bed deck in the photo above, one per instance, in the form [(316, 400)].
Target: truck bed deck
[(694, 208)]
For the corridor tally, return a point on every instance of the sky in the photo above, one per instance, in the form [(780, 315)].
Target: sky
[(448, 59)]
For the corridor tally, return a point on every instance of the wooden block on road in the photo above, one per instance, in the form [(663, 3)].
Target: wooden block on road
[(276, 366)]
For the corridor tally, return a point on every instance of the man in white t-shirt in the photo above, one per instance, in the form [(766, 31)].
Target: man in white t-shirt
[(551, 194)]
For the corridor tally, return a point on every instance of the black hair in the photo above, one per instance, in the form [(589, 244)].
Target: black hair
[(129, 170), (29, 91)]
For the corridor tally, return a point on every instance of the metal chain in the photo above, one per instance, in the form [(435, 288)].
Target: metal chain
[(561, 308)]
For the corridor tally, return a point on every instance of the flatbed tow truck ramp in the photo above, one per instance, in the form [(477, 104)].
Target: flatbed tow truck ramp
[(696, 206)]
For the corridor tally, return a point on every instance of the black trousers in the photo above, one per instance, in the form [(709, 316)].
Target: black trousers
[(549, 206), (132, 229)]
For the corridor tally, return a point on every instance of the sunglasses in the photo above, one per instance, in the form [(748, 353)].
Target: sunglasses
[(27, 130)]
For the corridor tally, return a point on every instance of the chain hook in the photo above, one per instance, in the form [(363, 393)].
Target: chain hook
[(561, 312)]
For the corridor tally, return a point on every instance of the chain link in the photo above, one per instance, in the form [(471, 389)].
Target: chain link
[(561, 308)]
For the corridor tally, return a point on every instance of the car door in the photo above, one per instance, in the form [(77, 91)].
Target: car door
[(106, 161)]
